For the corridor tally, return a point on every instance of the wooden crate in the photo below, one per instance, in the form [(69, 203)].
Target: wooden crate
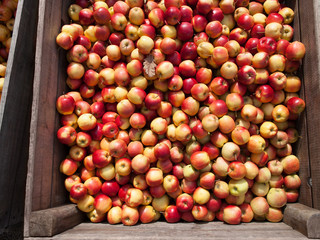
[(47, 211), (15, 115)]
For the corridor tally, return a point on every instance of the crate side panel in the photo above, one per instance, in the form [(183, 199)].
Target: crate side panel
[(15, 111), (310, 33), (45, 97), (301, 148)]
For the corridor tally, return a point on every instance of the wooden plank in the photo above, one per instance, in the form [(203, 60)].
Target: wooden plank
[(303, 219), (53, 221), (310, 35), (15, 115), (48, 152), (301, 148), (58, 192), (163, 230)]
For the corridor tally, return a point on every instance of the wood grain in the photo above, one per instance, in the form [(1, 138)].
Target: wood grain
[(15, 111), (53, 221), (42, 137), (163, 230), (45, 184), (301, 148), (310, 33), (303, 219)]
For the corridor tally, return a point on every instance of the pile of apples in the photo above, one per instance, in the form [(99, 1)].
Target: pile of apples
[(181, 108), (7, 14)]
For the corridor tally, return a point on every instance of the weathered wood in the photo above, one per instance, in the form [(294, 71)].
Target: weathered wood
[(301, 148), (45, 184), (15, 115), (163, 230), (53, 221), (42, 191), (304, 219), (310, 35)]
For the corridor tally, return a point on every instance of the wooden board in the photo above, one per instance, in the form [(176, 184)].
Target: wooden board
[(52, 221), (310, 35), (163, 230), (45, 184), (15, 112), (301, 148), (303, 219), (44, 187)]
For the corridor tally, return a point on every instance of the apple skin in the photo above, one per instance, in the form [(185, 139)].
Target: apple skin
[(221, 189), (199, 212), (291, 164), (295, 51), (171, 214), (67, 135), (185, 31), (134, 197), (292, 181), (65, 104), (93, 185), (200, 160), (129, 216), (236, 170), (114, 215), (184, 203), (186, 13), (259, 206), (110, 188), (102, 203), (232, 214), (78, 191), (85, 204), (146, 214), (296, 105), (277, 197), (101, 158)]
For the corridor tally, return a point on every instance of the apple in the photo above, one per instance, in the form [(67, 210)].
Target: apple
[(229, 70), (220, 167), (240, 135), (184, 202), (85, 204), (160, 204), (246, 75), (146, 214), (277, 197), (205, 50), (259, 206), (78, 191), (295, 105), (129, 216), (164, 70), (156, 17), (292, 181), (236, 170), (290, 164), (234, 101), (232, 214), (287, 14), (67, 135), (184, 30), (292, 195), (114, 215), (199, 212), (245, 21), (134, 197), (238, 187)]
